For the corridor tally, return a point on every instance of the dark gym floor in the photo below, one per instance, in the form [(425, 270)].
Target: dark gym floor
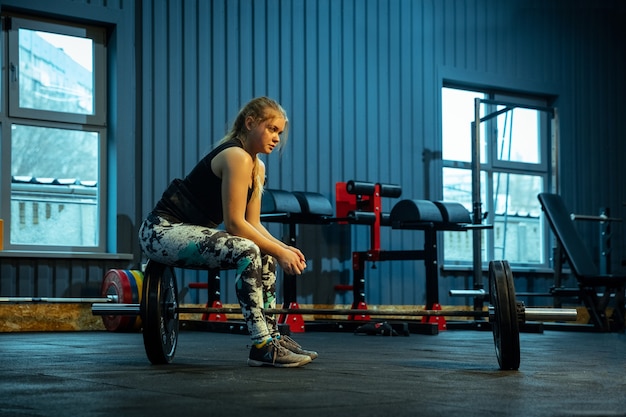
[(454, 373)]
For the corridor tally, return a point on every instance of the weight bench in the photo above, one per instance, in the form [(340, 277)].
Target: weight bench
[(361, 203), (431, 217), (595, 290), (291, 209)]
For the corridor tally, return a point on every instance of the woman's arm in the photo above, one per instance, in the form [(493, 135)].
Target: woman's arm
[(253, 215), (234, 166)]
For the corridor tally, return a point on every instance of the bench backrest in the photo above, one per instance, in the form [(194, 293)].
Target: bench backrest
[(559, 218)]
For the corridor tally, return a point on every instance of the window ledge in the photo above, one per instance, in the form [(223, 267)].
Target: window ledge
[(65, 255)]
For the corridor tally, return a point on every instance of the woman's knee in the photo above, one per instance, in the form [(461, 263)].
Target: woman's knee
[(245, 248), (147, 237)]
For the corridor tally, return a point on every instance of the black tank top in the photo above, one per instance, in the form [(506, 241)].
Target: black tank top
[(197, 199)]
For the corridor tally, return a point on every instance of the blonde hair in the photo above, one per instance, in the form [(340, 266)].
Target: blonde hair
[(260, 109)]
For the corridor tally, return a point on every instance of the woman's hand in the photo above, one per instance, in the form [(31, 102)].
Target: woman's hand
[(292, 261)]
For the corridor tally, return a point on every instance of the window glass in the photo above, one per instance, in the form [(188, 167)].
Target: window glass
[(457, 187), (518, 136), (457, 121), (517, 227), (54, 186), (55, 72)]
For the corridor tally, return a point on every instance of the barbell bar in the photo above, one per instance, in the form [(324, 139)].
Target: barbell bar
[(159, 312), (601, 218), (482, 294), (118, 286), (530, 314), (110, 298)]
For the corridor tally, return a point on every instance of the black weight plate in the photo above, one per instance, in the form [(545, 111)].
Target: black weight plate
[(504, 322), (159, 312)]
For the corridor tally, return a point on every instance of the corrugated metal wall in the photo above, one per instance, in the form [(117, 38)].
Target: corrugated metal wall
[(58, 276), (361, 82)]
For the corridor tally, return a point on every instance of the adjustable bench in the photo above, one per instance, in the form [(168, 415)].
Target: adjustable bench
[(595, 290)]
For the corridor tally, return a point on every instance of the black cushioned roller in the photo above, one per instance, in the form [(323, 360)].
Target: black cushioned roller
[(279, 201), (390, 190), (453, 212), (367, 188), (360, 188), (413, 211), (313, 203), (362, 217)]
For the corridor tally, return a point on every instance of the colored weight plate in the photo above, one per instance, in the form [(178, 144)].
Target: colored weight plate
[(504, 320), (136, 284), (124, 285), (116, 283), (159, 312)]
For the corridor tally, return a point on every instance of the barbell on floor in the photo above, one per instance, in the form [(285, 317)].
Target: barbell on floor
[(529, 314), (119, 286), (112, 298), (159, 312)]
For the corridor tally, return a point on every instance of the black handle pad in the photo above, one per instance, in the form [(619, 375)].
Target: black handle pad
[(390, 190), (360, 188), (367, 188)]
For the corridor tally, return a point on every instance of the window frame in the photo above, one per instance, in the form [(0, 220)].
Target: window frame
[(490, 165), (11, 113), (98, 117)]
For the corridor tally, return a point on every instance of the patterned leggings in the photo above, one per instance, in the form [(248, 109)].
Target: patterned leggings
[(185, 245)]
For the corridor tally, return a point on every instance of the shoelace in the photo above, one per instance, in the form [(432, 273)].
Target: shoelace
[(291, 341), (275, 347)]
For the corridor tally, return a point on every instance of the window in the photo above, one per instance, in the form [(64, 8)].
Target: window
[(514, 139), (53, 135)]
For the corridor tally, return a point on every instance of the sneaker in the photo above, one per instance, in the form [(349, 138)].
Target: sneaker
[(293, 346), (273, 354)]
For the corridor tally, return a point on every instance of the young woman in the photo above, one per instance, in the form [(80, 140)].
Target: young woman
[(225, 187)]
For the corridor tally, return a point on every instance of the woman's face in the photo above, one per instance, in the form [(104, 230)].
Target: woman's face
[(264, 136)]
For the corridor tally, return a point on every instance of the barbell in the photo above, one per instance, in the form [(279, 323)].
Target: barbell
[(60, 300), (119, 286), (159, 312)]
